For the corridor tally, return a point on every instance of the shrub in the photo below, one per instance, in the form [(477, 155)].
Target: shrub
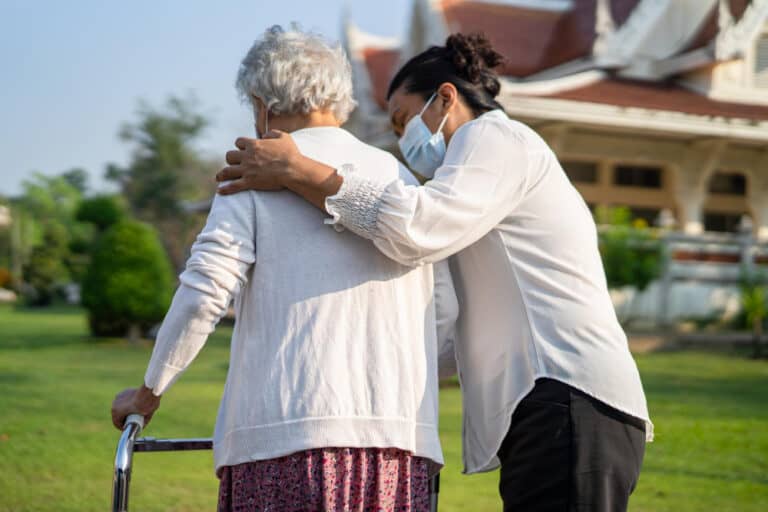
[(754, 302), (128, 284), (631, 255)]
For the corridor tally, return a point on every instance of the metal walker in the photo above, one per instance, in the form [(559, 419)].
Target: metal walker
[(128, 444)]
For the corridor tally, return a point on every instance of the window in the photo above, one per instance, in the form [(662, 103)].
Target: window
[(637, 176), (722, 222), (581, 172), (761, 61), (732, 184)]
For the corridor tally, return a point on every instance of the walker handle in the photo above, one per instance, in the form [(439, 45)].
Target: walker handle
[(134, 423)]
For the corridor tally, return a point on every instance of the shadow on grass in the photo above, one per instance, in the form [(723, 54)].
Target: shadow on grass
[(27, 328), (13, 378)]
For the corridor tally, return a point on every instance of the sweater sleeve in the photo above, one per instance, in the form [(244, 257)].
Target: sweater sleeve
[(483, 178), (216, 271)]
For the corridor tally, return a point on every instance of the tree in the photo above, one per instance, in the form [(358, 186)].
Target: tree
[(165, 171), (102, 211), (46, 210), (127, 287), (50, 197), (46, 269), (78, 178)]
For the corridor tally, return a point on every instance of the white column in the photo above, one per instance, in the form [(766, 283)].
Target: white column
[(757, 195), (690, 203), (696, 166)]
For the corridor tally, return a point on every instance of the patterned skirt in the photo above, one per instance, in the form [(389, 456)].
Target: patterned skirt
[(328, 479)]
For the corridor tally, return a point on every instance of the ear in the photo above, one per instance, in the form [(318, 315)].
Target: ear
[(448, 96), (258, 102)]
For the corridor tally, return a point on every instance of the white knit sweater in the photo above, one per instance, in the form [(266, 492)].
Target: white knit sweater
[(335, 345)]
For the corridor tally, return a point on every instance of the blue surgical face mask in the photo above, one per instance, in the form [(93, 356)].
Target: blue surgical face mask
[(423, 150)]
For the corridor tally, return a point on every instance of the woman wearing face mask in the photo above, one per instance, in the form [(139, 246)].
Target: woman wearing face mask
[(550, 390)]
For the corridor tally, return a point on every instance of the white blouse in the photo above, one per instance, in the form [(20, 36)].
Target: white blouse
[(334, 344), (532, 291)]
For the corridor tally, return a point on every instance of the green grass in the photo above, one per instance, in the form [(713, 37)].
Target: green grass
[(57, 443)]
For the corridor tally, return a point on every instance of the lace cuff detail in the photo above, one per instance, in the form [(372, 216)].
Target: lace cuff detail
[(356, 204)]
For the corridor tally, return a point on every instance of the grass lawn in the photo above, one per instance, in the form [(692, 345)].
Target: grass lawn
[(57, 443)]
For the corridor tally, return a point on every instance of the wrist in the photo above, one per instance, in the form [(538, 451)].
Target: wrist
[(294, 175), (145, 402)]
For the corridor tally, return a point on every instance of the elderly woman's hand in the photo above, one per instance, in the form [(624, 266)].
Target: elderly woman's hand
[(134, 401), (259, 164)]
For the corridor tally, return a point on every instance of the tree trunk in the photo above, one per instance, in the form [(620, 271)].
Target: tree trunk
[(134, 334)]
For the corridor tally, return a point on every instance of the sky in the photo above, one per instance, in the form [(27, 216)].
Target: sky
[(72, 72)]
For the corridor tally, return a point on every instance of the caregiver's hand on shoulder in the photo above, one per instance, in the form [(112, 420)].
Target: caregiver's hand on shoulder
[(259, 164), (134, 401)]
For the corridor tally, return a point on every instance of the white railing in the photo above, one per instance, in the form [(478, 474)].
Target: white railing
[(714, 258)]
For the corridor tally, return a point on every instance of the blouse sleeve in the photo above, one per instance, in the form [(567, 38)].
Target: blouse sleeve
[(215, 272), (447, 313), (482, 179)]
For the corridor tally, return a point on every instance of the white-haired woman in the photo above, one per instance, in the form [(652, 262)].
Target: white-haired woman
[(331, 397)]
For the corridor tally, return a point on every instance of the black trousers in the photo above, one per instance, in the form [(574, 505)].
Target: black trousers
[(566, 451)]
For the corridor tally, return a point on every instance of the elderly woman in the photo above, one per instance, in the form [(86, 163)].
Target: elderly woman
[(330, 401)]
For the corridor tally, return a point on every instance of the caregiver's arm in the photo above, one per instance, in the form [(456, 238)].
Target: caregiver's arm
[(275, 163), (483, 177)]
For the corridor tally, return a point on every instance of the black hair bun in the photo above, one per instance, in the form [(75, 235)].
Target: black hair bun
[(474, 58)]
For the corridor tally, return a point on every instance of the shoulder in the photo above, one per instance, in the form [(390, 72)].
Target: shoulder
[(491, 134), (232, 201), (233, 208), (492, 125), (376, 164)]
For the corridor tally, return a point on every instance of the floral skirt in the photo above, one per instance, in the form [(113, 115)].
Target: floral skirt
[(328, 479)]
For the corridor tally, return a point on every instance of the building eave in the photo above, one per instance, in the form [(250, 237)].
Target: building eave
[(633, 118)]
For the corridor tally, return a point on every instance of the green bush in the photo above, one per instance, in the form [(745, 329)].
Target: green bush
[(631, 254), (129, 282), (754, 303)]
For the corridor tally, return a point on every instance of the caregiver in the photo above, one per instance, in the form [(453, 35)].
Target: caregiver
[(550, 390)]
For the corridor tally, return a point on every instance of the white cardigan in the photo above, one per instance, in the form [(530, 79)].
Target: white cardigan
[(335, 345), (532, 290)]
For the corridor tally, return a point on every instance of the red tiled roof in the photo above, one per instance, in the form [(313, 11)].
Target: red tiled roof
[(660, 97), (381, 64), (532, 40)]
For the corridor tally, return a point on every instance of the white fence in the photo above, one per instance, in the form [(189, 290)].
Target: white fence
[(700, 279)]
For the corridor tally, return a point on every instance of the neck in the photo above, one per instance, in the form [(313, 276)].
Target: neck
[(291, 123), (460, 115)]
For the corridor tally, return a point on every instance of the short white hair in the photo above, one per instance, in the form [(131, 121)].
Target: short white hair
[(296, 72)]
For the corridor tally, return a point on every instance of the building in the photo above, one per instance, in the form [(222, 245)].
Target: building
[(659, 105)]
